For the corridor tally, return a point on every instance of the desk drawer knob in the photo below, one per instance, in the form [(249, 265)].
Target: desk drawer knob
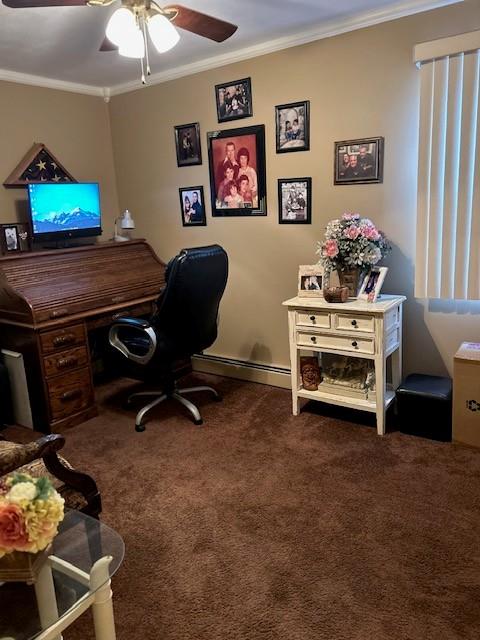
[(354, 323), (64, 363), (68, 338), (313, 339), (312, 318), (354, 343), (70, 395)]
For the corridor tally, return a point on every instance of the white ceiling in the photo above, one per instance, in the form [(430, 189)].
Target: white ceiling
[(61, 43)]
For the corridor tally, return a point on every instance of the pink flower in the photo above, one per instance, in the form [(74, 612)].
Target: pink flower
[(351, 216), (352, 232), (13, 533), (369, 232), (331, 248)]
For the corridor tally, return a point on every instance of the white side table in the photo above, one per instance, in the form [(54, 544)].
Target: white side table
[(355, 328)]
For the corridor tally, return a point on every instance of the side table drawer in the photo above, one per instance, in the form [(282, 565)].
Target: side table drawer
[(347, 322), (70, 393), (61, 339), (62, 362), (342, 343), (313, 319)]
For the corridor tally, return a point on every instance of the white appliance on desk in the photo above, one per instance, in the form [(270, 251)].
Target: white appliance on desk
[(22, 411)]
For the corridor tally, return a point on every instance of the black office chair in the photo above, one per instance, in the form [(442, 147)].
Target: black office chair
[(185, 323)]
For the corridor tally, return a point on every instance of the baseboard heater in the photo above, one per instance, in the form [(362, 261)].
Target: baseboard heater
[(243, 369)]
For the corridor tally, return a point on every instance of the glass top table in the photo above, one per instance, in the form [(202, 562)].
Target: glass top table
[(76, 574)]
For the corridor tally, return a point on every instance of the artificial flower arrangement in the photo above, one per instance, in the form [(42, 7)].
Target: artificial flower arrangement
[(30, 511), (352, 242)]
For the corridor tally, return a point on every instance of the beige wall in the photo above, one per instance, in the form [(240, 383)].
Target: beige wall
[(74, 127), (360, 84)]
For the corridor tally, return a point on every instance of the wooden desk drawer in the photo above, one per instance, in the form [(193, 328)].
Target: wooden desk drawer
[(347, 322), (342, 343), (62, 362), (106, 319), (61, 339), (70, 393), (314, 319)]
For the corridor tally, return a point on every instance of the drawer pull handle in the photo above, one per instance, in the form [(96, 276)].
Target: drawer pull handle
[(70, 395), (312, 318), (313, 339), (68, 338), (64, 363), (354, 323), (58, 313), (354, 343)]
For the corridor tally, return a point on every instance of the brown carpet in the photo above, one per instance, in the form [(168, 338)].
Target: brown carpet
[(263, 526)]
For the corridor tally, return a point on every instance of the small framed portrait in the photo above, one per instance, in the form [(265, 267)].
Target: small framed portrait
[(292, 126), (187, 144), (192, 206), (237, 171), (234, 100), (359, 161), (10, 239), (372, 284), (295, 201), (310, 281)]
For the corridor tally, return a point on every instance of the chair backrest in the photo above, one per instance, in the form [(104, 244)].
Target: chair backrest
[(188, 306)]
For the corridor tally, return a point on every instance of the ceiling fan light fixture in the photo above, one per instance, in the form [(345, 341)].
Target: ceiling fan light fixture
[(162, 32), (133, 46), (121, 26)]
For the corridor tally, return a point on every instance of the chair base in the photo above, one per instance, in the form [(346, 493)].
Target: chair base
[(175, 394)]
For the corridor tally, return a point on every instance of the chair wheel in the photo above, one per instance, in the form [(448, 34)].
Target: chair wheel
[(139, 428), (198, 421)]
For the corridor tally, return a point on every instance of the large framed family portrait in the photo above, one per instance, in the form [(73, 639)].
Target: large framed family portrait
[(187, 144), (237, 171), (359, 161)]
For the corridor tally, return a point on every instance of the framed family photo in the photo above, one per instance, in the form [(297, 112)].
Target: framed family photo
[(237, 171), (359, 161), (295, 200), (187, 144), (310, 281), (234, 100), (372, 284), (192, 206), (292, 126)]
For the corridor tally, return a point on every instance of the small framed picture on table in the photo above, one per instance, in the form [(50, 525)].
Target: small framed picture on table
[(310, 281), (372, 284)]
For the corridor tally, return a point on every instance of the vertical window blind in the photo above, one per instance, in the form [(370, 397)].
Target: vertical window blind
[(448, 205)]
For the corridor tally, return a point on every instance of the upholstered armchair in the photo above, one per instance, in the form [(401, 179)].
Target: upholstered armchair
[(40, 458)]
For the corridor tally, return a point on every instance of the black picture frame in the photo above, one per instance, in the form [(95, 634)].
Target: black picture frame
[(289, 140), (235, 92), (368, 171), (227, 166), (200, 218), (10, 239), (296, 207), (188, 145)]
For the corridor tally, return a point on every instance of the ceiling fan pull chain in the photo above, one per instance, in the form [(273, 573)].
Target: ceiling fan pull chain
[(143, 72), (147, 59)]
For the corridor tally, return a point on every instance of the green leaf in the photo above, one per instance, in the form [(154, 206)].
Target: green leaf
[(44, 486)]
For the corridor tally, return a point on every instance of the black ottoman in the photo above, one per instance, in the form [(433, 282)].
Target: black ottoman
[(424, 406)]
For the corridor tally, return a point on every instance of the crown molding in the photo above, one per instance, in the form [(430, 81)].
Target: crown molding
[(51, 83), (328, 29)]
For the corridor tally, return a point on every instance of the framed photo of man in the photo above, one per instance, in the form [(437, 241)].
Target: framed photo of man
[(359, 161), (237, 171), (292, 126), (234, 100), (295, 201), (192, 206), (187, 144)]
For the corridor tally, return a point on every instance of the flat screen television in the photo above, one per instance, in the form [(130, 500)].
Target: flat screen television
[(59, 211)]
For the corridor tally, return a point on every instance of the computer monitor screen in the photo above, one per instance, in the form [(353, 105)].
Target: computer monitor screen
[(65, 210)]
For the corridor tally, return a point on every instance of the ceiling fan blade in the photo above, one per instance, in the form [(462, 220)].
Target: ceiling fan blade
[(201, 23), (107, 45), (25, 4)]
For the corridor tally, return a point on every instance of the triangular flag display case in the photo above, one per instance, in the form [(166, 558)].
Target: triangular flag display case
[(38, 165)]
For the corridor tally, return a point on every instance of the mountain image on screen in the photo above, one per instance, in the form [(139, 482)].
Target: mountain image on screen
[(66, 220)]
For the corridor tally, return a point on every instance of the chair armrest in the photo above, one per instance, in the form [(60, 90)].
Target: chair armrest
[(135, 323), (17, 455), (81, 482)]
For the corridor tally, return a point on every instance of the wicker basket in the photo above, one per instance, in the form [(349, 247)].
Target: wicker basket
[(336, 294), (21, 566)]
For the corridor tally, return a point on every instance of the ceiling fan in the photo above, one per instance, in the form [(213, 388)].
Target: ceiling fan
[(128, 26)]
